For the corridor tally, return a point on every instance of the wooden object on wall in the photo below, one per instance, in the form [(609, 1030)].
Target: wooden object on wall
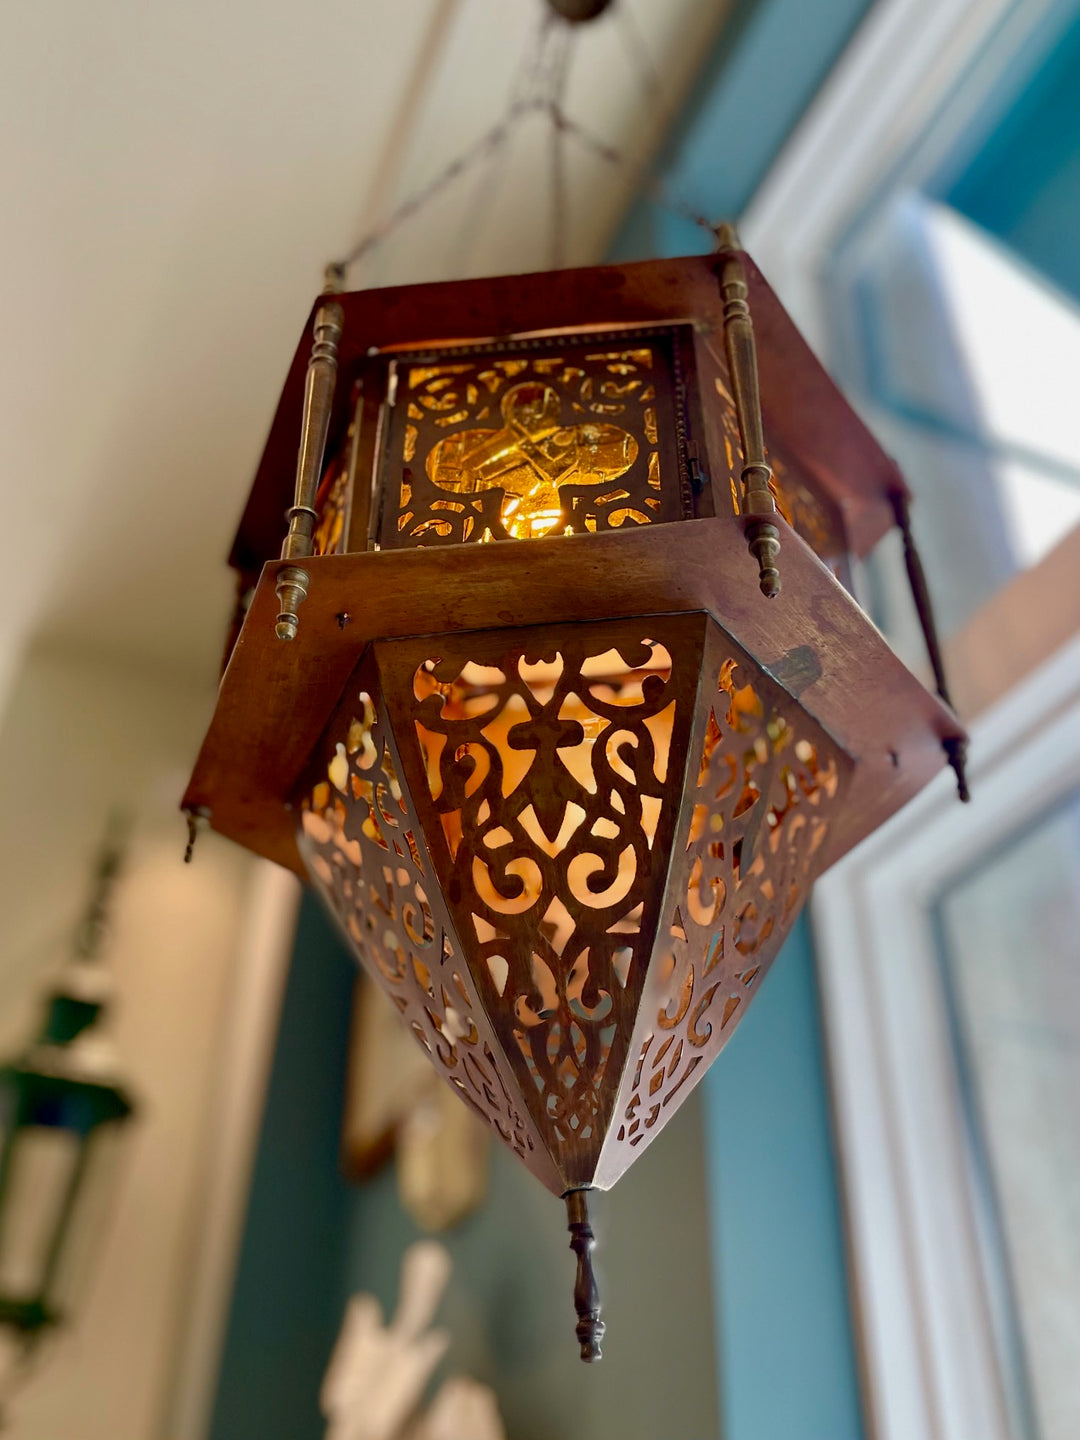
[(1017, 630), (396, 1110)]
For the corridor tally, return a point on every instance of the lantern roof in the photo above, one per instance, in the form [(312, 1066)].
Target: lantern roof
[(803, 410)]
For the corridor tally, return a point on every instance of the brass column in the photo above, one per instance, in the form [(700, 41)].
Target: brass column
[(293, 580), (763, 537)]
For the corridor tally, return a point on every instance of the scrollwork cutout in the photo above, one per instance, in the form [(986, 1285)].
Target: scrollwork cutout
[(359, 842), (547, 764), (766, 789)]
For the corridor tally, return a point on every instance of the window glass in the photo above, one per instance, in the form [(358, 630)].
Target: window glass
[(1008, 952)]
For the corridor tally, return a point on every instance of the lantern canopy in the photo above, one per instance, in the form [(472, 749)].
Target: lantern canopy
[(560, 756)]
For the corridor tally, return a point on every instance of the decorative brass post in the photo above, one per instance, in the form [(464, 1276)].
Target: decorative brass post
[(590, 1328), (763, 537), (293, 581)]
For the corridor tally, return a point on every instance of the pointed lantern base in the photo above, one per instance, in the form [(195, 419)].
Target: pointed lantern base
[(569, 854)]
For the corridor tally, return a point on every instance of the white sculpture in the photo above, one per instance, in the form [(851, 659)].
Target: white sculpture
[(377, 1373)]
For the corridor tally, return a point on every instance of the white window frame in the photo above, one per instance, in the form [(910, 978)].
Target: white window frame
[(927, 1326), (267, 940), (926, 1333)]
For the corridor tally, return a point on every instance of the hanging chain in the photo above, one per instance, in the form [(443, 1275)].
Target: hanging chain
[(540, 89), (556, 92)]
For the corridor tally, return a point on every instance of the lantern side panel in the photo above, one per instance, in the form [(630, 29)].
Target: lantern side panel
[(332, 505), (546, 436), (762, 790), (546, 765), (363, 847)]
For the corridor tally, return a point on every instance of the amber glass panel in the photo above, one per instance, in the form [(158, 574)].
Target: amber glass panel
[(514, 442), (333, 509)]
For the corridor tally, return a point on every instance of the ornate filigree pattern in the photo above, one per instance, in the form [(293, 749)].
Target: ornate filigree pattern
[(533, 438), (806, 513), (333, 508), (760, 801), (569, 853), (551, 764), (359, 839)]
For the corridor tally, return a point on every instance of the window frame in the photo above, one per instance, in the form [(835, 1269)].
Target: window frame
[(932, 1366), (905, 93)]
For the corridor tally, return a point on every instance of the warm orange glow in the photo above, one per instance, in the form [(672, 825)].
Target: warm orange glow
[(530, 458), (476, 691)]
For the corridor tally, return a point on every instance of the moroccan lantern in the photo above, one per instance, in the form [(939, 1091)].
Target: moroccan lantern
[(62, 1109), (556, 694)]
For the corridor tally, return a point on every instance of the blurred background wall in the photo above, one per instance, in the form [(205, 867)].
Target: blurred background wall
[(84, 733)]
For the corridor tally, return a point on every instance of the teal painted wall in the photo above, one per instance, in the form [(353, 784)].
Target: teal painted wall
[(768, 65), (1023, 182), (285, 1312), (787, 1356)]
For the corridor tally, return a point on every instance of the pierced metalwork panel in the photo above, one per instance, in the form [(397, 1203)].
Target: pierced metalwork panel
[(547, 765), (523, 439), (362, 845), (332, 505), (569, 853), (761, 793)]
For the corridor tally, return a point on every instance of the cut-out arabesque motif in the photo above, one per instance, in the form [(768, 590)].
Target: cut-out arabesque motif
[(623, 827)]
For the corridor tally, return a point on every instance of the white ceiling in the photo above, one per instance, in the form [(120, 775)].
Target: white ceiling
[(174, 176)]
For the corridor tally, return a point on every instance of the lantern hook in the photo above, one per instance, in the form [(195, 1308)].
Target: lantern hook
[(578, 11), (955, 746), (195, 816)]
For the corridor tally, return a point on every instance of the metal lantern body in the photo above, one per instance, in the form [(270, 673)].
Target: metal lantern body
[(569, 853), (61, 1113), (556, 762)]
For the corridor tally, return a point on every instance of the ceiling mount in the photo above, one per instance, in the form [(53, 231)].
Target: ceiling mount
[(577, 11)]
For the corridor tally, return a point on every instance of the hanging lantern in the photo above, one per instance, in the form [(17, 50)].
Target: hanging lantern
[(61, 1109), (559, 755)]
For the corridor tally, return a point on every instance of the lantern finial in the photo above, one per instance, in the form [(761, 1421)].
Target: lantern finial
[(590, 1328), (727, 237)]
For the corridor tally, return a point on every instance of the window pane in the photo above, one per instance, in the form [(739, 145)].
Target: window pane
[(1009, 953)]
